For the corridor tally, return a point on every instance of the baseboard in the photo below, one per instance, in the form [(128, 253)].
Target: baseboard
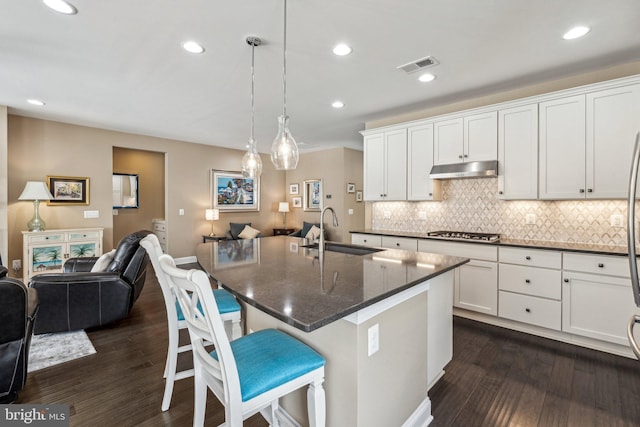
[(186, 260), (421, 417)]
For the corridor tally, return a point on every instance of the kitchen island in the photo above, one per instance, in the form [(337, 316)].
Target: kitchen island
[(382, 320)]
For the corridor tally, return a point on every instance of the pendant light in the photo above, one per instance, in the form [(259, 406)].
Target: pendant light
[(251, 161), (284, 150)]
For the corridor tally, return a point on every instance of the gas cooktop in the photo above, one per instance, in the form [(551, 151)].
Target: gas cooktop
[(461, 235)]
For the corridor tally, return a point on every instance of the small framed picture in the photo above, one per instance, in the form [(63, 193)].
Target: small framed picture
[(293, 189), (351, 188), (68, 190), (358, 196), (297, 202)]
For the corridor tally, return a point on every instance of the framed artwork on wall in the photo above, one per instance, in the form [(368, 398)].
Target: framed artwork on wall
[(68, 190), (233, 192), (297, 202), (359, 196), (293, 189), (351, 188), (312, 195)]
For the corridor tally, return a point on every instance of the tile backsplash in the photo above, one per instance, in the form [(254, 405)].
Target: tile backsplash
[(472, 205)]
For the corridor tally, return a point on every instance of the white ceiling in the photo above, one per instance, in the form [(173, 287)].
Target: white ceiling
[(118, 64)]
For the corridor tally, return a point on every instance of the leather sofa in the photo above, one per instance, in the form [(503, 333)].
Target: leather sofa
[(18, 309), (79, 299)]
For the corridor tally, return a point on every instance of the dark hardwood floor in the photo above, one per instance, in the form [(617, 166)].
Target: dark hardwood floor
[(497, 378)]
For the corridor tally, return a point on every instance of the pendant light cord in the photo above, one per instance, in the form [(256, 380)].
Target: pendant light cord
[(253, 48), (284, 64)]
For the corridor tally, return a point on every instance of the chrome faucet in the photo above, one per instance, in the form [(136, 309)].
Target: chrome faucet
[(335, 224)]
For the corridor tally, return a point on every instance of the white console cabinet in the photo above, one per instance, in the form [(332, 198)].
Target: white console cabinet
[(47, 251), (160, 230)]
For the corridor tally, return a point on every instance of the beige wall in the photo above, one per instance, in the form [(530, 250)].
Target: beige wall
[(38, 148), (149, 166), (336, 167), (3, 187)]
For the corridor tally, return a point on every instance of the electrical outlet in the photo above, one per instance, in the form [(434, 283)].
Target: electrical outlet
[(373, 342), (350, 211), (530, 219), (180, 211), (422, 215), (617, 220), (387, 215), (16, 264)]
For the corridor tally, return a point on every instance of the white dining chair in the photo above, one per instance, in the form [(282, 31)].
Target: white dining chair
[(250, 374), (229, 309)]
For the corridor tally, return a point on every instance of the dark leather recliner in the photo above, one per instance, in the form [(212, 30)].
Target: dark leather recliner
[(79, 299), (18, 309)]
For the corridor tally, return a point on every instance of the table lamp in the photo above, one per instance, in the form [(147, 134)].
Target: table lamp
[(212, 215), (284, 208), (36, 191)]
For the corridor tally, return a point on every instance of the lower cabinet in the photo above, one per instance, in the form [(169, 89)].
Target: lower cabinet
[(475, 287), (404, 243), (532, 310), (366, 239)]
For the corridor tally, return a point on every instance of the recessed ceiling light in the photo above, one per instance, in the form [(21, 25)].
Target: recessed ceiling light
[(337, 104), (36, 102), (426, 77), (61, 6), (192, 47), (576, 32), (342, 49)]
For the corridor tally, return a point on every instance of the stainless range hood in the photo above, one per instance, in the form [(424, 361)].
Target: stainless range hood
[(485, 169)]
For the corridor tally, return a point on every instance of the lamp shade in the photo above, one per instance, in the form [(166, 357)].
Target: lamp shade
[(35, 190), (212, 214), (283, 207)]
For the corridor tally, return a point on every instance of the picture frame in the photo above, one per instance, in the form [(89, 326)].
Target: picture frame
[(359, 196), (68, 190), (230, 191), (125, 191), (297, 202), (293, 189), (312, 195), (351, 187)]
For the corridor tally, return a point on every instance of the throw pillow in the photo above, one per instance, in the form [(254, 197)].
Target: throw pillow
[(235, 228), (248, 233), (313, 234), (306, 226), (103, 262)]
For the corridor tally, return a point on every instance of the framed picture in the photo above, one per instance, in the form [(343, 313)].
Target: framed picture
[(293, 189), (297, 202), (125, 190), (359, 196), (312, 195), (351, 188), (68, 190), (233, 192)]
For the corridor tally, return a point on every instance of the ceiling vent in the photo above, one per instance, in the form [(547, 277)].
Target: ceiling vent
[(418, 65)]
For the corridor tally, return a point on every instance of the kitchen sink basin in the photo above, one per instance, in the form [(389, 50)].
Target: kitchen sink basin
[(343, 248)]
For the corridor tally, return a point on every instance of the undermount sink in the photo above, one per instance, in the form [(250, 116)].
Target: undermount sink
[(343, 248)]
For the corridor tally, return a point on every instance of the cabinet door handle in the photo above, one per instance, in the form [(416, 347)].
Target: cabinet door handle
[(500, 192), (600, 265), (528, 310), (460, 156), (398, 244), (589, 190), (566, 280), (466, 155), (430, 194), (582, 190), (527, 281), (528, 258)]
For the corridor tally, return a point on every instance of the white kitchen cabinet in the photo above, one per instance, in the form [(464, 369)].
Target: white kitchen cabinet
[(404, 243), (518, 153), (366, 240), (586, 142), (385, 166), (466, 139), (562, 148), (419, 163), (47, 251), (597, 305)]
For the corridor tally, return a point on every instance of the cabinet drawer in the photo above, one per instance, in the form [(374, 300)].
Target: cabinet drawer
[(532, 257), (366, 239), (533, 281), (405, 243), (45, 238), (486, 252), (162, 237), (84, 235), (159, 226), (598, 264), (532, 310)]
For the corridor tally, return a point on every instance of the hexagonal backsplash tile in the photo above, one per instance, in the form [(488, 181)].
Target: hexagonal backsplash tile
[(472, 205)]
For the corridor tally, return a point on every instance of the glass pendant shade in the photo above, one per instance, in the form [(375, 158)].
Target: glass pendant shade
[(284, 150), (251, 162)]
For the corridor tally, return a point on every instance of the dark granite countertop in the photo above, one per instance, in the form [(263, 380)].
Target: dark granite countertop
[(592, 248), (286, 280)]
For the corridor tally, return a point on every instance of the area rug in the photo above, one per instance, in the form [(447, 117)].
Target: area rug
[(52, 349)]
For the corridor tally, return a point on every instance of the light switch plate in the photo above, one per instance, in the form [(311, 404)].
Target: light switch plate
[(92, 214), (617, 220), (530, 219)]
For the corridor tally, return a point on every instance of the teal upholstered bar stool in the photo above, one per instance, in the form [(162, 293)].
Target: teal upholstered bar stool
[(250, 374), (227, 304)]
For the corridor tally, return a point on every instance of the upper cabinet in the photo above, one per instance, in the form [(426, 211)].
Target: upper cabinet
[(385, 166), (518, 153), (466, 139), (586, 142), (419, 163)]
